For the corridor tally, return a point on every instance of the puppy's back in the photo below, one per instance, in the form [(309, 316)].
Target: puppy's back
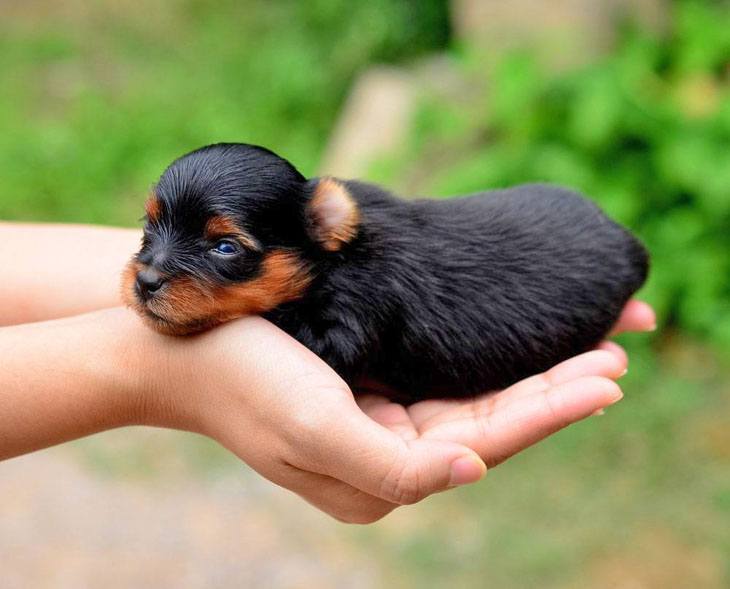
[(533, 230), (518, 280)]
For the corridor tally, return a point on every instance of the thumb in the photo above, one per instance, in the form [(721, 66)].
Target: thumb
[(377, 461)]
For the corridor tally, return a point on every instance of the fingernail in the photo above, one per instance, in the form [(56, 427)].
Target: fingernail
[(616, 397), (623, 373), (466, 470), (599, 412)]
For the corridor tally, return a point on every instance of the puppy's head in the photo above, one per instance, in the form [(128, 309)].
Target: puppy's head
[(232, 230)]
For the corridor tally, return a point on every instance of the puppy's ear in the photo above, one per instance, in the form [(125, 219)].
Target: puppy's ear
[(153, 207), (332, 215)]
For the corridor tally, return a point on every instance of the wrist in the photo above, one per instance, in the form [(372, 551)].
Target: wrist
[(152, 374), (73, 377)]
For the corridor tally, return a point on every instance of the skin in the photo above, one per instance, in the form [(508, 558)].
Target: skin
[(251, 387)]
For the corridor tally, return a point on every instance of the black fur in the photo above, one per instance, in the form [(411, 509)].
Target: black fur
[(433, 298)]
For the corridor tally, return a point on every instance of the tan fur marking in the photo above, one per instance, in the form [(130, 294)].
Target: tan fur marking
[(129, 277), (179, 302), (334, 215), (153, 208), (222, 226), (188, 305), (185, 302), (283, 278)]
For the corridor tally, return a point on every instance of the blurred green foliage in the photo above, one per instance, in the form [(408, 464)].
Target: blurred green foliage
[(645, 131), (98, 97)]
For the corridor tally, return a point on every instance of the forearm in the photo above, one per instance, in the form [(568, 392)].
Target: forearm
[(52, 271), (69, 378)]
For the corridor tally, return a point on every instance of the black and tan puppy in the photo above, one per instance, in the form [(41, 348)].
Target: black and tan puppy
[(432, 298)]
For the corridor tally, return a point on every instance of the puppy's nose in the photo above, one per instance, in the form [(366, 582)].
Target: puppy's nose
[(149, 281)]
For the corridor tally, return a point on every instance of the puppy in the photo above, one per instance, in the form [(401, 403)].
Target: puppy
[(431, 298)]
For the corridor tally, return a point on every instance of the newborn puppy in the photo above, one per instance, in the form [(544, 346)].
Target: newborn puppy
[(432, 298)]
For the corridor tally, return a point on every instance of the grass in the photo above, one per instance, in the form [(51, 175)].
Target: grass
[(98, 97)]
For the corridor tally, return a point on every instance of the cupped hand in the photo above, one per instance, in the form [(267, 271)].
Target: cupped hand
[(290, 417), (497, 426)]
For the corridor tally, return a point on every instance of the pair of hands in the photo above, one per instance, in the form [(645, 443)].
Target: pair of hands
[(250, 386), (290, 417)]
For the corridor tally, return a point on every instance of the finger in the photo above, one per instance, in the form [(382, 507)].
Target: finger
[(615, 349), (423, 412), (603, 363), (497, 435), (392, 416), (349, 446), (636, 316)]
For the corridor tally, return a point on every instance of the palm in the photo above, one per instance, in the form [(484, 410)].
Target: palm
[(497, 426)]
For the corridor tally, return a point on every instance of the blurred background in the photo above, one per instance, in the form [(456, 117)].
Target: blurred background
[(626, 101)]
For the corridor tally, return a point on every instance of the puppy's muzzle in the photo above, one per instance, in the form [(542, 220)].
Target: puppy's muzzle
[(148, 283)]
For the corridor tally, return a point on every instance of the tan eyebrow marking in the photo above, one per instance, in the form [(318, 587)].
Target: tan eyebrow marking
[(223, 226), (153, 208)]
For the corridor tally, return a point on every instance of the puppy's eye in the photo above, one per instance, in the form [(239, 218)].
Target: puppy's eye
[(225, 247)]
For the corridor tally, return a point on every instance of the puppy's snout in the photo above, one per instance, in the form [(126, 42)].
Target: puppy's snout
[(149, 282)]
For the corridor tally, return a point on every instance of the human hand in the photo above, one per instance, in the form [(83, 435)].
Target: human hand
[(290, 417), (499, 425)]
